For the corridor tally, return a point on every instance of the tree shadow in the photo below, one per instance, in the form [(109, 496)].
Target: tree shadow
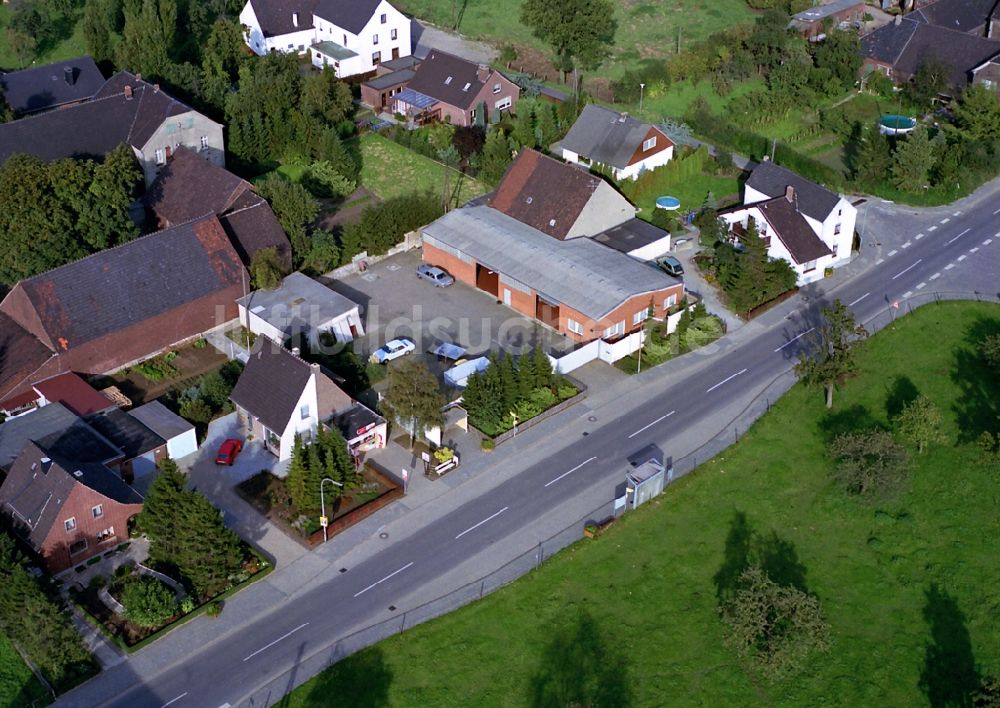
[(361, 680), (850, 420), (579, 669), (949, 676), (978, 408), (901, 393), (775, 555)]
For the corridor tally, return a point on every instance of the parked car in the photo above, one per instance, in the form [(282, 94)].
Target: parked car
[(671, 266), (438, 276), (392, 349), (228, 451)]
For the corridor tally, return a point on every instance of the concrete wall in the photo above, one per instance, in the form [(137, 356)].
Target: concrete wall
[(188, 129)]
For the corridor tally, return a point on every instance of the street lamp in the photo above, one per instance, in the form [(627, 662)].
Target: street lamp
[(642, 86), (323, 521)]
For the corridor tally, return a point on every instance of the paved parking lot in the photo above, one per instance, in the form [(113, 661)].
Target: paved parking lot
[(398, 304)]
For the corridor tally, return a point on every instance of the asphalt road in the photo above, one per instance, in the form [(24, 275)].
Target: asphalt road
[(961, 252)]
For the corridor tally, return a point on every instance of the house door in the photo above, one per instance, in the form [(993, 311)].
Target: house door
[(395, 52), (354, 331), (383, 99)]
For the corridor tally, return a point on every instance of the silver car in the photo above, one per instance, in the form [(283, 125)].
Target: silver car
[(436, 275)]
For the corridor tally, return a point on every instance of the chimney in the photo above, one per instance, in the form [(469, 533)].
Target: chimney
[(128, 92), (790, 194), (69, 74), (483, 73), (295, 19), (296, 351), (156, 88), (138, 77)]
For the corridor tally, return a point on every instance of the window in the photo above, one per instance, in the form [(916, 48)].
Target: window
[(98, 511), (204, 142), (106, 535), (70, 523), (304, 411), (447, 81), (374, 39), (669, 302), (574, 326), (503, 103), (161, 157), (639, 316), (497, 87), (78, 547), (649, 144), (834, 249), (615, 330), (345, 40), (808, 266), (836, 229), (988, 83), (376, 57), (467, 87), (382, 19), (393, 34)]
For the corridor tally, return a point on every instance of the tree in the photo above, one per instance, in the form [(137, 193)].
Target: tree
[(208, 553), (930, 79), (989, 350), (754, 277), (869, 462), (920, 423), (295, 208), (913, 160), (23, 45), (159, 518), (263, 114), (496, 157), (147, 36), (774, 627), (711, 228), (977, 113), (840, 52), (542, 366), (196, 410), (220, 60), (266, 269), (325, 97), (413, 397), (832, 355), (148, 602), (324, 254), (99, 19), (580, 32)]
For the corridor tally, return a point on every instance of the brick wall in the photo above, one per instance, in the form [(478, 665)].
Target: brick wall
[(80, 506)]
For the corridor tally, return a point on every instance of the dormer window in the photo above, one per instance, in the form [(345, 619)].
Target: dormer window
[(447, 81), (467, 87), (496, 87)]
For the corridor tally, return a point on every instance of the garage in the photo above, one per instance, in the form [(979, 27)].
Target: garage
[(179, 433)]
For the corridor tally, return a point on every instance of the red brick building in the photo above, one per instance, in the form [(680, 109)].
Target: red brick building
[(531, 248), (66, 511)]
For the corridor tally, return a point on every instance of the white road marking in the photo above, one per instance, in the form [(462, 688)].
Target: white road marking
[(973, 249), (957, 213), (647, 427), (907, 244), (378, 582), (958, 237), (909, 268), (945, 220), (921, 286), (476, 526), (174, 700), (961, 258), (936, 276), (880, 261), (564, 474), (987, 242), (949, 266), (852, 304), (918, 236), (996, 212), (797, 336), (933, 228), (907, 294), (286, 635), (892, 253), (728, 378)]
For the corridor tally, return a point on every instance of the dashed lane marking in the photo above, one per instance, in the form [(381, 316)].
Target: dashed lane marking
[(933, 228), (973, 249), (893, 252), (952, 240), (945, 220), (908, 268), (907, 244), (880, 261), (936, 276), (987, 242), (476, 526), (918, 237), (799, 336), (907, 294), (725, 380), (174, 700), (921, 286), (647, 427), (850, 304), (286, 635), (377, 582), (564, 474), (961, 258), (949, 266)]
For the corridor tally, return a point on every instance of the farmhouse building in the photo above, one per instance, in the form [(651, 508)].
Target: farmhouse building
[(602, 138)]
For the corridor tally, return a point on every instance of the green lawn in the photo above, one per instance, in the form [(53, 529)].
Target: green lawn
[(391, 170), (18, 686), (909, 586), (646, 28), (69, 46)]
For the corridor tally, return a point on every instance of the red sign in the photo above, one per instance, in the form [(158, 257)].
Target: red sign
[(362, 431), (895, 305)]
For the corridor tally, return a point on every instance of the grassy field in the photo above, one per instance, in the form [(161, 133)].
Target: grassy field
[(18, 686), (646, 28), (70, 46), (908, 586), (390, 170)]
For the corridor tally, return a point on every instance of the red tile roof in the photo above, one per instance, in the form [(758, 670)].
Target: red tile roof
[(74, 393)]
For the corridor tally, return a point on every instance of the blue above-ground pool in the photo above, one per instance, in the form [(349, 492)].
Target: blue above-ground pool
[(668, 203), (896, 125)]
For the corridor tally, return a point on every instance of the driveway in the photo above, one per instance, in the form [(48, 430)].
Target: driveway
[(398, 304), (218, 482), (425, 37)]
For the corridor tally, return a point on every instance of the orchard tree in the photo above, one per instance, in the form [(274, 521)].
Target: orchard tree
[(580, 32), (833, 354), (920, 423), (870, 463), (413, 397)]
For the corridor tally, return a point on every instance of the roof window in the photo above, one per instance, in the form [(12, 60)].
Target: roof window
[(447, 81), (466, 87), (529, 200)]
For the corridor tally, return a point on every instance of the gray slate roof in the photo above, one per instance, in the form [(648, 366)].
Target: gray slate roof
[(605, 136), (271, 384), (35, 425), (813, 200), (42, 87), (391, 79), (818, 12), (275, 16), (298, 305), (633, 234), (351, 15), (580, 273), (127, 433), (960, 15), (161, 420), (434, 71)]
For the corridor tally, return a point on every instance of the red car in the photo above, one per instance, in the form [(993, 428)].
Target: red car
[(228, 451)]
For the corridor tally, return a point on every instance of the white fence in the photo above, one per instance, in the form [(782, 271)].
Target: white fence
[(361, 261), (598, 349)]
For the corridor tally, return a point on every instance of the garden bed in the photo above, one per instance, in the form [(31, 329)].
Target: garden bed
[(269, 495)]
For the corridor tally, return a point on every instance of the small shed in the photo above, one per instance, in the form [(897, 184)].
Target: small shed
[(650, 472), (178, 432), (458, 375)]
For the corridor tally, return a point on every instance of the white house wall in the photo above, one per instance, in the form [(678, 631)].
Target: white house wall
[(752, 196), (650, 163), (296, 425), (187, 129), (182, 445), (652, 251)]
